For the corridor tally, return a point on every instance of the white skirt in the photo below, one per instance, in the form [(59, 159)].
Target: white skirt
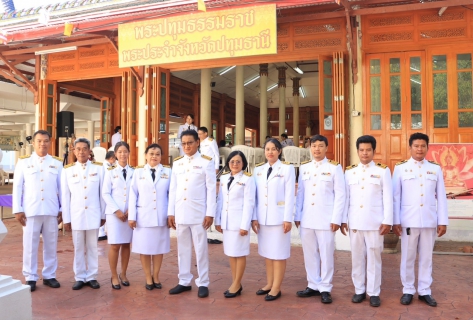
[(118, 232), (235, 245), (151, 240), (273, 243)]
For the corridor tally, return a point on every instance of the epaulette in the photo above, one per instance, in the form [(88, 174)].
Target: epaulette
[(401, 162), (206, 157), (351, 167), (379, 164), (139, 167), (58, 159), (97, 163), (26, 156), (305, 162), (247, 174), (259, 164), (111, 168), (132, 167), (335, 163), (178, 158), (166, 166), (226, 172), (211, 139), (433, 162), (286, 162), (69, 165)]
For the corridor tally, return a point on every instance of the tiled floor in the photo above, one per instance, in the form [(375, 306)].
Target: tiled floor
[(452, 288)]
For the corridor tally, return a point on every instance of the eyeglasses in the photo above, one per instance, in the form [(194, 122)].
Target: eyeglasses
[(187, 143), (235, 162)]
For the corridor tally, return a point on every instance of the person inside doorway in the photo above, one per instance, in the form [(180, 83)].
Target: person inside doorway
[(208, 146), (188, 125), (117, 137), (285, 141)]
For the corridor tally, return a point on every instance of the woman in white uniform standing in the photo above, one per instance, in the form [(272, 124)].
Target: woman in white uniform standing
[(115, 193), (189, 125), (273, 215), (148, 213), (235, 205)]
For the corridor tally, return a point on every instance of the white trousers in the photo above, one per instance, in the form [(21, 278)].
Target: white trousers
[(86, 258), (188, 234), (47, 226), (366, 249), (421, 241), (318, 247)]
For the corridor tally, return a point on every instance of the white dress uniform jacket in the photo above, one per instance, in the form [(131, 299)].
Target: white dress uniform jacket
[(320, 195), (419, 195), (184, 127), (195, 197), (116, 137), (287, 142), (116, 190), (235, 206), (209, 148), (37, 189), (82, 202), (148, 198), (369, 196), (280, 187)]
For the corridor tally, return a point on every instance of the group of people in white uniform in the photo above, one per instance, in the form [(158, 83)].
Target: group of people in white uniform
[(141, 204)]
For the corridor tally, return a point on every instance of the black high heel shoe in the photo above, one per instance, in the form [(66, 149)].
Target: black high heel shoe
[(115, 286), (125, 283), (149, 286), (272, 298), (233, 295)]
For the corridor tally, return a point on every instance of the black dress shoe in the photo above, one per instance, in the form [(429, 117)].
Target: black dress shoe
[(272, 298), (233, 295), (149, 286), (32, 285), (78, 285), (53, 283), (93, 284), (125, 283), (203, 292), (179, 289), (406, 299), (357, 298), (157, 285), (262, 292), (326, 297), (308, 292), (102, 238), (429, 300), (375, 301), (115, 286)]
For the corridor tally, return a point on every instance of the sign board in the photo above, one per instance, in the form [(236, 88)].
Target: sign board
[(229, 33)]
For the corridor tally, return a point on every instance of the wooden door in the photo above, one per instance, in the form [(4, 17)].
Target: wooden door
[(48, 110), (339, 114), (105, 121), (129, 121), (326, 103), (160, 105)]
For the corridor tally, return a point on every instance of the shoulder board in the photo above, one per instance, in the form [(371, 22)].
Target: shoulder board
[(259, 164), (401, 162), (166, 166), (351, 167), (58, 159), (178, 158), (139, 167), (286, 162), (97, 163), (111, 168), (433, 162), (206, 157), (381, 165), (226, 172), (25, 156), (211, 139), (131, 167), (305, 162), (247, 174), (69, 165), (335, 163)]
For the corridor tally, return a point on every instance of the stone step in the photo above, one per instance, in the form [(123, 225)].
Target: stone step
[(9, 285)]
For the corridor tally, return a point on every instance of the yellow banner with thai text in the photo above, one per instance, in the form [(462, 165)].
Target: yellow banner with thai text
[(229, 33)]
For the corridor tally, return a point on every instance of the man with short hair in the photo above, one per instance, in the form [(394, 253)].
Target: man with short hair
[(285, 141), (320, 204), (369, 212), (209, 147), (37, 206), (84, 212), (191, 211), (420, 214), (117, 136)]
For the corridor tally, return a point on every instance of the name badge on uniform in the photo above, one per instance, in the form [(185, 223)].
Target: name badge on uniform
[(241, 184), (375, 176), (92, 174), (430, 172), (279, 175), (259, 174), (53, 167), (164, 176), (197, 167), (75, 175), (115, 177), (29, 167), (281, 203), (326, 173)]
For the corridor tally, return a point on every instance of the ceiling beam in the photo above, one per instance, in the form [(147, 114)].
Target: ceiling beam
[(22, 71), (31, 86), (411, 7), (312, 16), (74, 87), (21, 57), (9, 76), (91, 42)]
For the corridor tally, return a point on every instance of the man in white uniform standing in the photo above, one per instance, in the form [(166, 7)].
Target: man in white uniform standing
[(83, 212), (285, 141), (420, 214), (369, 212), (191, 211), (37, 206), (320, 204), (209, 147), (117, 136)]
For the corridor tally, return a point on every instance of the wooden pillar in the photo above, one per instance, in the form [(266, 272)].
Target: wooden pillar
[(205, 99), (196, 104), (221, 111), (239, 106), (282, 99), (295, 113), (263, 103)]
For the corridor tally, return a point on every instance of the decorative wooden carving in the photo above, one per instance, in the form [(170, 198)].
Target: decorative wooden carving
[(283, 31), (283, 46), (113, 63), (263, 69), (282, 77), (65, 68), (92, 65), (447, 16), (318, 28), (442, 33), (63, 56), (295, 86), (91, 53), (394, 36), (390, 21), (317, 43)]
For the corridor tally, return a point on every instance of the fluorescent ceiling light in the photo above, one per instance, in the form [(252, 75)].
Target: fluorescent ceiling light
[(298, 70), (225, 70), (63, 49), (251, 80), (302, 91), (272, 87)]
